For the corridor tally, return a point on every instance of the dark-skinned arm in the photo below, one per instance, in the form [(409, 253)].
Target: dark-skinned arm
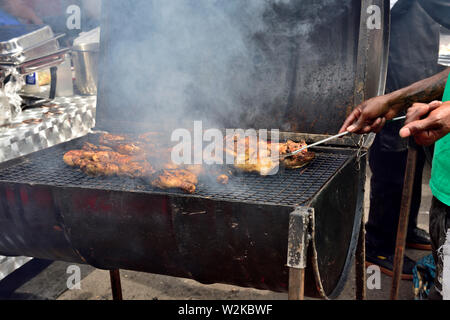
[(371, 115), (433, 127)]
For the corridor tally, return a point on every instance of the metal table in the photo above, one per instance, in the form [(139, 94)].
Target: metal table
[(72, 117)]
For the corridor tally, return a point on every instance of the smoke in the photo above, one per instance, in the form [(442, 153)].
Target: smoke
[(226, 62)]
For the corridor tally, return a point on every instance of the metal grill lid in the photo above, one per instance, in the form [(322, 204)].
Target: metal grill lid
[(301, 69)]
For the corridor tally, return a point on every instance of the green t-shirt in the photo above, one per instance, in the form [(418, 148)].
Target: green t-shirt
[(440, 174)]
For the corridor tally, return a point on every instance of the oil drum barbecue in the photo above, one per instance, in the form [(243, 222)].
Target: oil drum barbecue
[(284, 232)]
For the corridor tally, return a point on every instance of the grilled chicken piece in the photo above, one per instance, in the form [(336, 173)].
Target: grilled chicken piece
[(91, 147), (223, 179), (93, 168), (292, 146), (119, 144), (103, 156), (264, 166), (141, 169), (296, 163), (132, 169), (129, 148), (72, 158), (298, 160), (280, 148), (108, 163), (169, 179), (252, 159), (111, 139), (185, 175)]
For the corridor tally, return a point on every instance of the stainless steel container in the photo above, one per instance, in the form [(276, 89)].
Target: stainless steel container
[(52, 59), (15, 39), (29, 49), (85, 60), (40, 50)]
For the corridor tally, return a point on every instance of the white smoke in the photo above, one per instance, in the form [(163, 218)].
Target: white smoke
[(186, 59)]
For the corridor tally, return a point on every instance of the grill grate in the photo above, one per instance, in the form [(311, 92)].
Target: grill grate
[(288, 187)]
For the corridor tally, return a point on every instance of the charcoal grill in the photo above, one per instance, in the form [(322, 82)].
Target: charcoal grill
[(255, 232)]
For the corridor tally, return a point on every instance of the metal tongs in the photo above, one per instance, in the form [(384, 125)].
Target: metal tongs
[(282, 156)]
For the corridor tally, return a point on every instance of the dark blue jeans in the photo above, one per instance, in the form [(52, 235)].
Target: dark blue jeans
[(439, 224), (388, 172)]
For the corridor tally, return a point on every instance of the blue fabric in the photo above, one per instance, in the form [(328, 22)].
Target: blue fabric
[(7, 19), (424, 273)]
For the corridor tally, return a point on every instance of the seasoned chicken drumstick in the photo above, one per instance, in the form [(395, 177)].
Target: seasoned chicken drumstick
[(175, 179)]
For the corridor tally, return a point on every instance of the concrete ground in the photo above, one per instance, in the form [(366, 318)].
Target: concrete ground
[(48, 280)]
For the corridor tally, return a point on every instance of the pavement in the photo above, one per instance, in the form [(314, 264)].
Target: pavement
[(47, 280)]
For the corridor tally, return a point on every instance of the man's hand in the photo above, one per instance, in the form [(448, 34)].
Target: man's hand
[(430, 129), (370, 116)]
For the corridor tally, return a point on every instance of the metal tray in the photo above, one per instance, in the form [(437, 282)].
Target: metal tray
[(39, 50), (50, 60), (14, 39)]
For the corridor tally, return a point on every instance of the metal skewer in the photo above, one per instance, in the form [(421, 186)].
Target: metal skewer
[(282, 156), (313, 145), (398, 118)]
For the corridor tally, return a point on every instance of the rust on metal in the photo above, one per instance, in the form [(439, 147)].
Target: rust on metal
[(403, 221)]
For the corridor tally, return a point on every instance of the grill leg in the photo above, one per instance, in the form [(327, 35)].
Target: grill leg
[(296, 284), (360, 264), (116, 287), (403, 221), (299, 237)]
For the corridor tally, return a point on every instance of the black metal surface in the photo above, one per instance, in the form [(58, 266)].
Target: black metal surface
[(306, 63), (288, 187), (55, 212), (339, 206)]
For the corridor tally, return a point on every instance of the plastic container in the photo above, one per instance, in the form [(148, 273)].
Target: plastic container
[(32, 83), (64, 82), (85, 60)]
